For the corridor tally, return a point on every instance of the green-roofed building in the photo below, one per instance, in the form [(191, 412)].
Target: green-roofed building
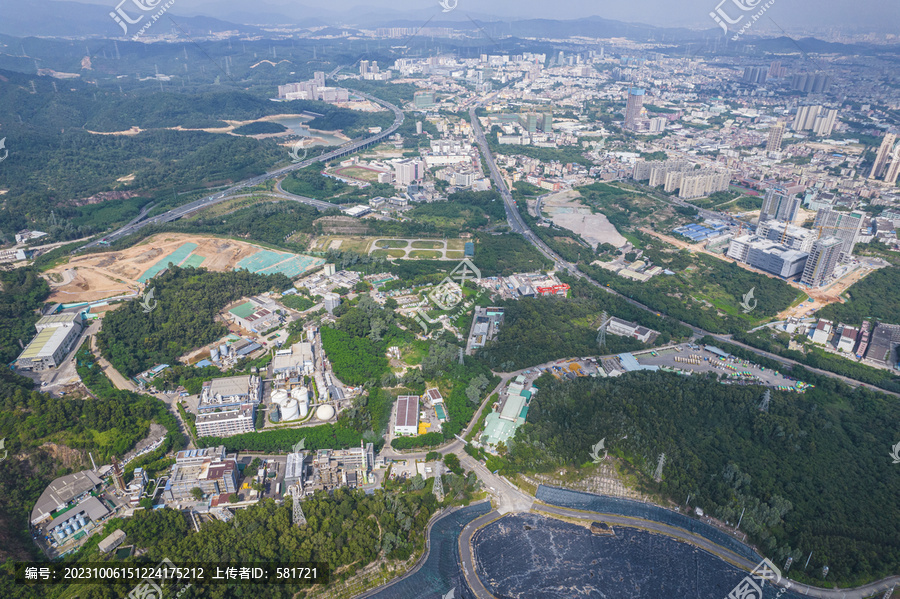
[(500, 426), (244, 310)]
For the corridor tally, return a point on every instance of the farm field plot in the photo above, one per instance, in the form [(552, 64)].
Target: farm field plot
[(343, 243), (427, 254), (428, 245), (391, 244), (108, 274), (429, 249), (386, 253)]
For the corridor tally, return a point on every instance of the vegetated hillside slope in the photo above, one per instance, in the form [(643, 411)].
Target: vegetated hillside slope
[(814, 473)]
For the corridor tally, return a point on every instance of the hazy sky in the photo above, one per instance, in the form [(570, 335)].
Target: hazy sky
[(792, 15)]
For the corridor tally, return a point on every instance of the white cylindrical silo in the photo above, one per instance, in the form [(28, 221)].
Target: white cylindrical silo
[(290, 410), (279, 397)]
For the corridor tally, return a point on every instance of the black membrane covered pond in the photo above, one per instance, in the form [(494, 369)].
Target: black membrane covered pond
[(528, 556)]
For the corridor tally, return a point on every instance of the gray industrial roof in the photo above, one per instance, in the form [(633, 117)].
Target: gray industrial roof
[(230, 386), (92, 507), (63, 490)]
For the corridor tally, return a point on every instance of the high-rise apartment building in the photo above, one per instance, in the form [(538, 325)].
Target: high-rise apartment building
[(755, 75), (408, 171), (894, 169), (844, 226), (633, 107), (779, 205), (821, 262), (885, 152), (811, 82), (777, 71), (423, 99), (824, 122), (815, 118), (790, 236), (776, 134), (696, 183)]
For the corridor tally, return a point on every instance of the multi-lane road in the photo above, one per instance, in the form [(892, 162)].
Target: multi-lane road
[(517, 224), (205, 202)]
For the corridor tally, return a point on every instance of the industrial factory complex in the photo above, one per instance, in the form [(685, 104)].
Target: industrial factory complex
[(56, 337)]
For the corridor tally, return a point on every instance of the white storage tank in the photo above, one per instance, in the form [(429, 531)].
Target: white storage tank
[(325, 412), (290, 410), (301, 395), (279, 397), (214, 355)]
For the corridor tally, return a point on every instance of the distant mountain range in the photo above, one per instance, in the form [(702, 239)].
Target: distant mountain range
[(54, 18), (75, 19)]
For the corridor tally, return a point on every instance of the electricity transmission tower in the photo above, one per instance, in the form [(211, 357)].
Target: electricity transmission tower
[(659, 468), (764, 404), (438, 486), (601, 332), (299, 518)]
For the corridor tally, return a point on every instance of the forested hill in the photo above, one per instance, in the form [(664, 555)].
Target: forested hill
[(188, 301), (59, 159), (873, 298), (814, 474), (22, 293)]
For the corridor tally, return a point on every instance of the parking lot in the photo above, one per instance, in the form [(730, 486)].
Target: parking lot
[(696, 359)]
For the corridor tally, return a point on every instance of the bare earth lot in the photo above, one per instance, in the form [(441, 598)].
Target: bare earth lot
[(566, 211), (99, 276)]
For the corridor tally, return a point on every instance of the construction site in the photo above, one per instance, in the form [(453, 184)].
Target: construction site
[(110, 274), (817, 297)]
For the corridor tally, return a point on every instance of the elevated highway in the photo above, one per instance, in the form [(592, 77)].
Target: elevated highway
[(234, 191)]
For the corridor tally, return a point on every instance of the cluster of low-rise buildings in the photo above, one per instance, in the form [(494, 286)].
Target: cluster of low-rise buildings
[(874, 345), (501, 424), (417, 415), (328, 469), (314, 89), (485, 327), (209, 470), (259, 314), (525, 285), (329, 279), (71, 508)]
